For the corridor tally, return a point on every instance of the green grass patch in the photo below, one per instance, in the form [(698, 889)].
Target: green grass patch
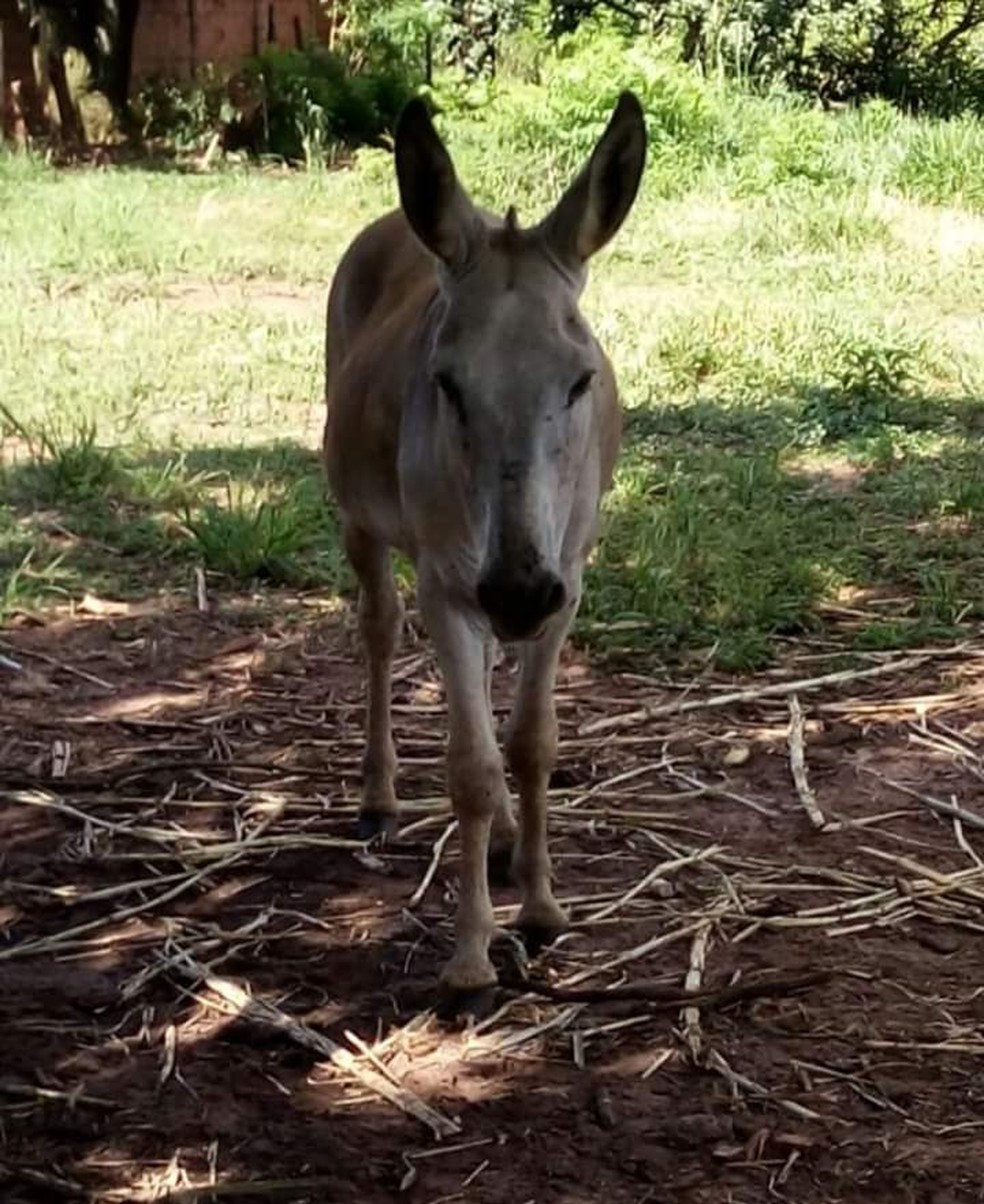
[(793, 311)]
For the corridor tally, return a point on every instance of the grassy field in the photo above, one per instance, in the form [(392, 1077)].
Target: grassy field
[(794, 310)]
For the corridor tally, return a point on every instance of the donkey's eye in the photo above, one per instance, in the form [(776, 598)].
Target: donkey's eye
[(452, 393), (580, 387)]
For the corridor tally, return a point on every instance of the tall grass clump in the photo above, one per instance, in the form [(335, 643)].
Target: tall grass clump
[(285, 536), (943, 162)]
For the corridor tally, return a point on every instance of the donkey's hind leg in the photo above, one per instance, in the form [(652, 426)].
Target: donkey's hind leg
[(380, 625)]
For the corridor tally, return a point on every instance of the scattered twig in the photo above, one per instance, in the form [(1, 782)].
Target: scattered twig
[(201, 590), (722, 792), (54, 661), (263, 1013), (690, 1016), (934, 804), (964, 843), (19, 1090), (664, 998), (513, 1040), (228, 1187), (56, 1184), (47, 944), (439, 847), (754, 693), (658, 1062), (656, 874), (797, 764), (741, 1082), (631, 955)]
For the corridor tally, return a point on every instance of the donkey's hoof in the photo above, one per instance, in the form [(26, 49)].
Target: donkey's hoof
[(540, 924), (500, 866), (537, 937), (509, 952), (455, 1006), (376, 825)]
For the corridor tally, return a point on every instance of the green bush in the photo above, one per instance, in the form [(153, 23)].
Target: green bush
[(303, 105), (182, 115), (312, 102), (919, 54)]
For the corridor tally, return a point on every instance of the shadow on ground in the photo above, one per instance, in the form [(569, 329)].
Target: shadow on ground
[(216, 756), (729, 527)]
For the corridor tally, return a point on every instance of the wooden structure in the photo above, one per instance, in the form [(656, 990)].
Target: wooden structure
[(20, 105), (175, 38)]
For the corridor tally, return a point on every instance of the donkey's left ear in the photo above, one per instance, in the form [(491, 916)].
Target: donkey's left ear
[(598, 201)]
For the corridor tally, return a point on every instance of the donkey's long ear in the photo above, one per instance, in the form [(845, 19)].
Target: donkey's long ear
[(593, 208), (436, 206)]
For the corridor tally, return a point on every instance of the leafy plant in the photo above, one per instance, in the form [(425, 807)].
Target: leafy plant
[(310, 102), (869, 386), (68, 464), (264, 534)]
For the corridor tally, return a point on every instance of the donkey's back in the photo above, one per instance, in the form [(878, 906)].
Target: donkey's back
[(378, 297)]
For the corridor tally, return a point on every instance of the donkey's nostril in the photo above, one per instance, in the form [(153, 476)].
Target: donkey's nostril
[(518, 603), (555, 595)]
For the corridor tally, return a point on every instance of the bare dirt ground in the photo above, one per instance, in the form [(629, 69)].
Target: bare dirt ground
[(178, 795)]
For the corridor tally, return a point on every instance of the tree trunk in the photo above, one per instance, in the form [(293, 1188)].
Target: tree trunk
[(71, 124), (121, 65)]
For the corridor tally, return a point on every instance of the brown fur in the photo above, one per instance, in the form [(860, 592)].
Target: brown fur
[(473, 423)]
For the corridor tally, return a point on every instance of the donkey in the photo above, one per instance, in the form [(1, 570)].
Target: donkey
[(473, 424)]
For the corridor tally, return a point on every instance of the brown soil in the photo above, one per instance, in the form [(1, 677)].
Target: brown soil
[(122, 1080)]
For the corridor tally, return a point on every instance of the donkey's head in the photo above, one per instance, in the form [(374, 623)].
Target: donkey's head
[(514, 364)]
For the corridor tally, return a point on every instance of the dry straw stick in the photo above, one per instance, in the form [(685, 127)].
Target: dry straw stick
[(690, 1015), (934, 804), (439, 846), (797, 764), (741, 1081), (779, 690), (46, 944), (656, 874), (82, 674), (631, 955), (265, 1014)]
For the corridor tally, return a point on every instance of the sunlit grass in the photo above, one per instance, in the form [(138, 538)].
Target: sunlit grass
[(793, 310)]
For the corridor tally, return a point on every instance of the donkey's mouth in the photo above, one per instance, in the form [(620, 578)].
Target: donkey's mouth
[(513, 634)]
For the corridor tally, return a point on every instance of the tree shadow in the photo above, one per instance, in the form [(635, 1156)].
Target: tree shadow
[(730, 526), (121, 1075)]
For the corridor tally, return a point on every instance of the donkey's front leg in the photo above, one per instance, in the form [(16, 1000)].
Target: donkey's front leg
[(380, 623), (476, 781), (531, 747), (502, 842)]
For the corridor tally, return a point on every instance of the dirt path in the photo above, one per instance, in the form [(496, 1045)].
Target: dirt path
[(213, 759)]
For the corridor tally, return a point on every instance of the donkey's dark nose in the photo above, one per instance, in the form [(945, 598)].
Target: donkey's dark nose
[(519, 603)]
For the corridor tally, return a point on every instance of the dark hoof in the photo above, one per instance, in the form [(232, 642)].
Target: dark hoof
[(509, 954), (537, 937), (461, 1007), (500, 866), (376, 825)]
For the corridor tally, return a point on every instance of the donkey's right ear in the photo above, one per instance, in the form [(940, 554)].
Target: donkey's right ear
[(438, 209)]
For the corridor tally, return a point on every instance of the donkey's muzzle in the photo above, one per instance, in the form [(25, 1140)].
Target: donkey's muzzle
[(519, 604)]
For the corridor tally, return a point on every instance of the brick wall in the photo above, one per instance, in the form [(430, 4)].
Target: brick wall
[(176, 37), (15, 66)]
